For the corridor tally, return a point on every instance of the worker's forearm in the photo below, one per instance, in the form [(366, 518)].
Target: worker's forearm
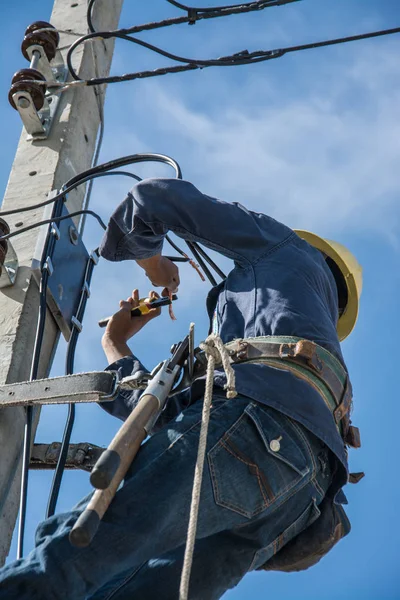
[(114, 349)]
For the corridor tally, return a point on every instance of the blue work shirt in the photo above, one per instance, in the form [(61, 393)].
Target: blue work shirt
[(280, 286)]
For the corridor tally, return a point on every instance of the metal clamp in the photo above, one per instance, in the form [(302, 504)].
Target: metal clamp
[(80, 456), (48, 266), (138, 381), (76, 323), (304, 349)]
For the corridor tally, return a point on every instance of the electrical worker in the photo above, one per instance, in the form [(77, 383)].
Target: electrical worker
[(276, 454)]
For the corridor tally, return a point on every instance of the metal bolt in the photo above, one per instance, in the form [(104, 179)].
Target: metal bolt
[(73, 235), (23, 102)]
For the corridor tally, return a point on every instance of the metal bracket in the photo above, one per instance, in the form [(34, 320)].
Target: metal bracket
[(80, 456), (68, 268), (48, 266), (55, 231), (97, 386), (77, 324)]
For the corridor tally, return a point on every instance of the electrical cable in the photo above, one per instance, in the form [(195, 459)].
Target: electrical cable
[(55, 220), (47, 251), (175, 247), (29, 413), (89, 15), (230, 60), (128, 160), (193, 248), (212, 264), (196, 14), (240, 58), (99, 171), (210, 9), (63, 194)]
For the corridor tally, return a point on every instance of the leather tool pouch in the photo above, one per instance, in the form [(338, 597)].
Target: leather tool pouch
[(309, 546)]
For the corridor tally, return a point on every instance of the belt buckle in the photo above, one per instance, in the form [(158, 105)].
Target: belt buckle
[(308, 350)]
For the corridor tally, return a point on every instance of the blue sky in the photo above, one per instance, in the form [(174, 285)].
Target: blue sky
[(313, 140)]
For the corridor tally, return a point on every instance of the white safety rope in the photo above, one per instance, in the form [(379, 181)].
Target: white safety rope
[(215, 351)]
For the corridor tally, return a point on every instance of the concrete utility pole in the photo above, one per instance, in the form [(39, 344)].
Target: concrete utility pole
[(39, 167)]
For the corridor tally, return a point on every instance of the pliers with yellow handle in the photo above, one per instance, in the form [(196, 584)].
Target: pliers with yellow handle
[(145, 306)]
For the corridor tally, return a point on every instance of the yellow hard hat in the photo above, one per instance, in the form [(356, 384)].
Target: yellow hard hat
[(348, 275)]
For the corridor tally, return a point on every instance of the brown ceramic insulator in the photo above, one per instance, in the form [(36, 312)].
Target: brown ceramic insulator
[(36, 90), (27, 74), (45, 39), (37, 25), (4, 228)]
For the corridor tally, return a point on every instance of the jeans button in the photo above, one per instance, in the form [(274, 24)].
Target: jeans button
[(275, 445)]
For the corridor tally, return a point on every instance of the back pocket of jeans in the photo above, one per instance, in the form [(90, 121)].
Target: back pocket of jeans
[(258, 462)]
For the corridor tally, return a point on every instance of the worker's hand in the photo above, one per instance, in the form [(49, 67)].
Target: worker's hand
[(162, 272), (122, 326)]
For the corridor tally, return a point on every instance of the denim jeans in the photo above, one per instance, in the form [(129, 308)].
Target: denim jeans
[(263, 480)]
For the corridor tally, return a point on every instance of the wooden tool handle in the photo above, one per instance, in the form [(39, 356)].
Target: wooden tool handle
[(125, 445)]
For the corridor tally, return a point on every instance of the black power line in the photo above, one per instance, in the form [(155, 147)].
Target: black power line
[(240, 58), (101, 171), (195, 14), (54, 220)]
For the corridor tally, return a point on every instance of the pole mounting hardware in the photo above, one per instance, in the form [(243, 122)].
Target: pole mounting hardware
[(29, 93), (80, 456)]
